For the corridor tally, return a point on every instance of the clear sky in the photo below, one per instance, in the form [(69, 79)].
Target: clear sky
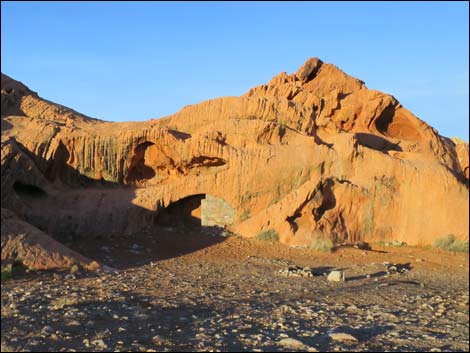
[(138, 60)]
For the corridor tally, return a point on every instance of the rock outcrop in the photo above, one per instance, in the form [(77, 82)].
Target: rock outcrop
[(23, 242), (311, 153)]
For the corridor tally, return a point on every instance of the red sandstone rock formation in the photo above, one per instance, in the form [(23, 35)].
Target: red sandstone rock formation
[(35, 249), (311, 153)]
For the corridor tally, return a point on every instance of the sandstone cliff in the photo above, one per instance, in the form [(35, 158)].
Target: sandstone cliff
[(307, 154)]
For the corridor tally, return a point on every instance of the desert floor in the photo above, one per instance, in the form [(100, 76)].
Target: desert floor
[(184, 290)]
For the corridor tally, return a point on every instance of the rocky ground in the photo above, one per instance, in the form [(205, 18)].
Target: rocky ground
[(183, 290)]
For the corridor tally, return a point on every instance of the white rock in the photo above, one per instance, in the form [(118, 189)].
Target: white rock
[(341, 336), (99, 343), (47, 330), (336, 276), (292, 343)]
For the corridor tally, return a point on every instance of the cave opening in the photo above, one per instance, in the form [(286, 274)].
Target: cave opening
[(199, 210), (28, 190), (184, 212)]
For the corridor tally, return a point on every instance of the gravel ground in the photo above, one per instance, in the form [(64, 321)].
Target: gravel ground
[(182, 290)]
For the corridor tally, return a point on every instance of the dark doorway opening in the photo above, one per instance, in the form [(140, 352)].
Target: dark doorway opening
[(184, 212)]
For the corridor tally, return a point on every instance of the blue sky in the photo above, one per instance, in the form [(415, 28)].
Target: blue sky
[(127, 61)]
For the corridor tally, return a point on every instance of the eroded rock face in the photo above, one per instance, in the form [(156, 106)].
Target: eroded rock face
[(311, 153), (35, 249), (461, 148)]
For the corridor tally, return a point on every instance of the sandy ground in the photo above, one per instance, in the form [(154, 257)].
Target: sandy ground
[(185, 290)]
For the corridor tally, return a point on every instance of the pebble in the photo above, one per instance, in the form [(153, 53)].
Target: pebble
[(74, 269), (292, 343), (47, 330), (297, 271), (342, 336), (99, 343)]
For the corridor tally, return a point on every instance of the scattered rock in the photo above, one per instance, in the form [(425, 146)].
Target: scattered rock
[(292, 343), (297, 271), (336, 276), (391, 268), (396, 243), (342, 336), (47, 330), (362, 246), (99, 343), (74, 269), (73, 323)]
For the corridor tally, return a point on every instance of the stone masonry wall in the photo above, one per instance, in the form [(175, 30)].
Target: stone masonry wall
[(216, 212)]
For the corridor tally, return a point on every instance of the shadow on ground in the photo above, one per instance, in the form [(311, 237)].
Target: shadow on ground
[(158, 243), (392, 269), (131, 322)]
